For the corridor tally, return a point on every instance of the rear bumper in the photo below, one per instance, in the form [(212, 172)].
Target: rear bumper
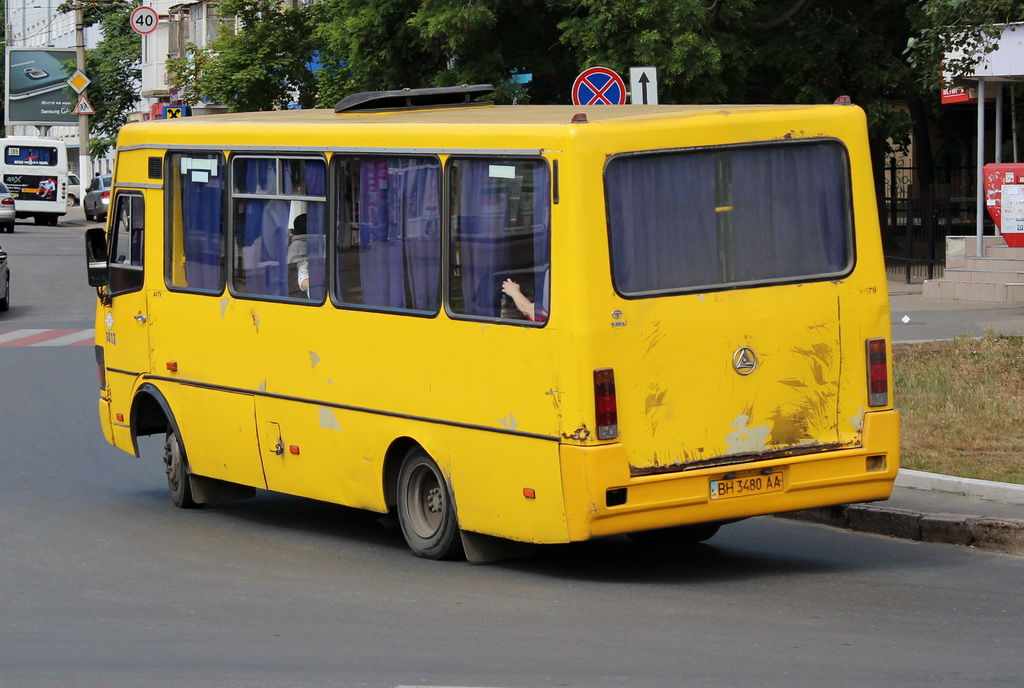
[(842, 476)]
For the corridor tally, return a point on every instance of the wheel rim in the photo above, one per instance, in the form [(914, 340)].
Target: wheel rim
[(426, 501), (172, 459)]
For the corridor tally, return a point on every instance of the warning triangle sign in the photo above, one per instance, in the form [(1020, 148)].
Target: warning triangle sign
[(84, 107)]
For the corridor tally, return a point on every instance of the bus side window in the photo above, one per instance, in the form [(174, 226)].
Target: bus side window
[(279, 222), (500, 238), (195, 222), (126, 249), (388, 237)]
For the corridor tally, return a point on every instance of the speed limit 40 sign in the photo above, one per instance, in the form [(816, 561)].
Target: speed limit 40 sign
[(144, 20)]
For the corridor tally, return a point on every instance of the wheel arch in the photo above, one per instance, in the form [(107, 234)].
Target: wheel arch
[(150, 414), (393, 458)]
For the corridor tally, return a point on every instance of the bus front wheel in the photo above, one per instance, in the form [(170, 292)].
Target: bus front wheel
[(426, 510), (177, 472)]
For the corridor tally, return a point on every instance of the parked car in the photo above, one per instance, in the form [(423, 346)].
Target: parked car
[(6, 210), (5, 282), (97, 198), (74, 189)]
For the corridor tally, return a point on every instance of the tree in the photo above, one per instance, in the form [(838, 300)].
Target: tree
[(972, 26), (265, 65), (695, 44), (390, 44), (113, 69)]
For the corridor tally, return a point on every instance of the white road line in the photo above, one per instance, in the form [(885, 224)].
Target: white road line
[(72, 338), (19, 334)]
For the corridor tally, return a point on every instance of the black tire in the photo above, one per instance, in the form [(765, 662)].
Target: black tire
[(5, 302), (426, 510), (680, 535), (9, 228), (176, 464)]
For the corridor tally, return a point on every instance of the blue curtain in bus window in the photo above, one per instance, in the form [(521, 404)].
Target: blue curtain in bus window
[(399, 218), (202, 207), (316, 223), (541, 234), (662, 221), (416, 221), (265, 253), (483, 218), (789, 212), (265, 236), (380, 260)]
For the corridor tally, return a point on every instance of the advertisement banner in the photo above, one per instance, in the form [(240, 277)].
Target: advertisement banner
[(36, 88)]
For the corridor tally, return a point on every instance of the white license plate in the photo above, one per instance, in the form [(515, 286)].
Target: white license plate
[(746, 485)]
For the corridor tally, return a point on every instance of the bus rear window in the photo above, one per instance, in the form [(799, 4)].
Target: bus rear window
[(30, 155), (724, 217)]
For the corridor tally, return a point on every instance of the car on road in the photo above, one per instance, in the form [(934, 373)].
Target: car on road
[(5, 282), (74, 189), (6, 209), (97, 198)]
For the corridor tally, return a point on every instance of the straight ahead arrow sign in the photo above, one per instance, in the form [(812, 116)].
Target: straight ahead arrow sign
[(643, 85)]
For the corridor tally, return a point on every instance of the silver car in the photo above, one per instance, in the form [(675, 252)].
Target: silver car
[(74, 189), (5, 282), (97, 198), (6, 210)]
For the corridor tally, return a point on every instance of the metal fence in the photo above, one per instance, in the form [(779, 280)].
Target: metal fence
[(916, 219)]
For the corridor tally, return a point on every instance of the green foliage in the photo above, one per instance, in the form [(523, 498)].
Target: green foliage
[(390, 44), (696, 45), (262, 67), (187, 73), (942, 25), (113, 67)]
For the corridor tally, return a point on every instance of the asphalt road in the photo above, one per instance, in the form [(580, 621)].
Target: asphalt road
[(104, 583)]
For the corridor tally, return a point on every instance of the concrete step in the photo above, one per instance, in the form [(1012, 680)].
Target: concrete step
[(949, 288), (969, 274)]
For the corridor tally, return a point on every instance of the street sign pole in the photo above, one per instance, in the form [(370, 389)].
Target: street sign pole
[(84, 158)]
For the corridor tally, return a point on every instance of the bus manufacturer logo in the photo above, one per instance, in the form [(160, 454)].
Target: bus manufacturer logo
[(744, 360)]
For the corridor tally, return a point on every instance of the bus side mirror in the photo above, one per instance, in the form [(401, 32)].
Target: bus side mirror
[(96, 255)]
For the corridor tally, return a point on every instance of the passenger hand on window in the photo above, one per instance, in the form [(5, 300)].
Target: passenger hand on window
[(512, 290)]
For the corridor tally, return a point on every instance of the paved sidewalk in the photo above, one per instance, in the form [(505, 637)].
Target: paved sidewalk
[(915, 318), (926, 506)]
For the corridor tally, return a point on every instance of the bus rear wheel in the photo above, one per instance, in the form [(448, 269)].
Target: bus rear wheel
[(176, 465), (426, 510)]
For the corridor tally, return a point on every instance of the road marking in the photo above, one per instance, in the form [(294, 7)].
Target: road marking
[(48, 337)]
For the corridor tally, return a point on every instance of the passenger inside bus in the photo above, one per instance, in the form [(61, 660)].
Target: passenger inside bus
[(298, 258), (512, 290)]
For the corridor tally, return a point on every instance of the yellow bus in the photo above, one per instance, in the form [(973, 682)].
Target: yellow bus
[(503, 324)]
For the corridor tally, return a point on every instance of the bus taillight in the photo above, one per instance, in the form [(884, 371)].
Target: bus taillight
[(878, 373), (604, 404)]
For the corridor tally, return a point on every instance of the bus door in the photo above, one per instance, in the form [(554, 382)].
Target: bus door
[(126, 318)]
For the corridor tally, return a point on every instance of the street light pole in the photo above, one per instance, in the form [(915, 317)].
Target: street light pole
[(84, 159)]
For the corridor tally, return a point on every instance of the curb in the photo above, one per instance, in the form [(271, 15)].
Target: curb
[(1007, 493), (983, 532)]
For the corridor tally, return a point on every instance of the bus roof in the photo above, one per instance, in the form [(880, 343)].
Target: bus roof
[(456, 123)]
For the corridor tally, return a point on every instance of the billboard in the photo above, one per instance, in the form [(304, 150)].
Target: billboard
[(36, 90)]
